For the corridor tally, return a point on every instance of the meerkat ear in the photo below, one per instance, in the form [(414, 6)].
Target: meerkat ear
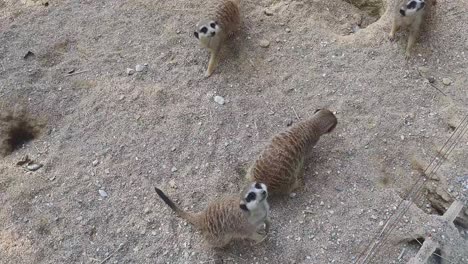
[(402, 12), (317, 110), (196, 34), (243, 207)]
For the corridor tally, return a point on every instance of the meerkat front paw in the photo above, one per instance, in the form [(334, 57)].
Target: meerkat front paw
[(258, 238), (208, 73), (391, 37), (407, 55)]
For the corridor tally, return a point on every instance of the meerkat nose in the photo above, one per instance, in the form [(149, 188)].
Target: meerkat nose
[(213, 33)]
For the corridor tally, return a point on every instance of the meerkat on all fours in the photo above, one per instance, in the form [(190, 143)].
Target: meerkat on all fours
[(281, 164), (231, 217), (220, 24), (410, 14)]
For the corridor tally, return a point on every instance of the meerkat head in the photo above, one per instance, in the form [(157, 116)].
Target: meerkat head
[(412, 7), (206, 31), (326, 119), (253, 195)]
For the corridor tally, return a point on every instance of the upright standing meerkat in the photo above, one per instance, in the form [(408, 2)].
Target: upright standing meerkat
[(410, 14), (231, 217), (221, 23), (281, 164)]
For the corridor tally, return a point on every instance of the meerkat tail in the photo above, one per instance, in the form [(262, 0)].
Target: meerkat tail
[(184, 215)]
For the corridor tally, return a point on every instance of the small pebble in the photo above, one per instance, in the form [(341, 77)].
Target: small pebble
[(381, 223), (431, 79), (130, 71), (140, 68), (423, 69), (173, 169), (292, 195), (446, 81), (264, 43), (95, 163), (172, 184), (218, 99), (102, 193), (34, 167), (288, 30), (268, 12)]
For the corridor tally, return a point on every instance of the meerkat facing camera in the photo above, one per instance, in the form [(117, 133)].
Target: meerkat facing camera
[(410, 14), (231, 217), (281, 164), (222, 22)]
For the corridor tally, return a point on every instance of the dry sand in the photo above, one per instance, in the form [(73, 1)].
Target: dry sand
[(102, 129)]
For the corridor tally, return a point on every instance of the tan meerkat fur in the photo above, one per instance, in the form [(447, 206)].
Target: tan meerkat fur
[(222, 21), (410, 14), (231, 217), (281, 164)]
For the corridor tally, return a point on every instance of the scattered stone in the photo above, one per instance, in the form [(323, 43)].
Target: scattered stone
[(172, 184), (140, 68), (106, 171), (23, 160), (218, 99), (29, 55), (264, 43), (102, 193), (446, 81), (288, 30), (431, 79), (130, 71), (33, 166), (173, 169), (289, 122), (95, 163), (373, 217), (121, 97), (268, 12), (322, 203), (292, 195), (381, 223), (423, 69)]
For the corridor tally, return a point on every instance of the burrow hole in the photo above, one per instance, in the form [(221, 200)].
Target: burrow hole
[(17, 131), (370, 12)]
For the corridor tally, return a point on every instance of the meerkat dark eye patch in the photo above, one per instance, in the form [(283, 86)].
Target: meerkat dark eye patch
[(196, 34), (402, 12), (204, 30), (422, 5), (213, 25), (251, 196), (411, 5), (243, 207), (258, 186)]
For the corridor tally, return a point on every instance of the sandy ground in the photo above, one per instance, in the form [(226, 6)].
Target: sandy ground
[(102, 129)]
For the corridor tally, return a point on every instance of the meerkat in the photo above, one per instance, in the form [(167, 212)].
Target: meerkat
[(222, 22), (231, 217), (281, 164), (410, 14)]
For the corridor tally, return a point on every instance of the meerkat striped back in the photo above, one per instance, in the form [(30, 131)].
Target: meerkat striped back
[(281, 164), (227, 14)]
